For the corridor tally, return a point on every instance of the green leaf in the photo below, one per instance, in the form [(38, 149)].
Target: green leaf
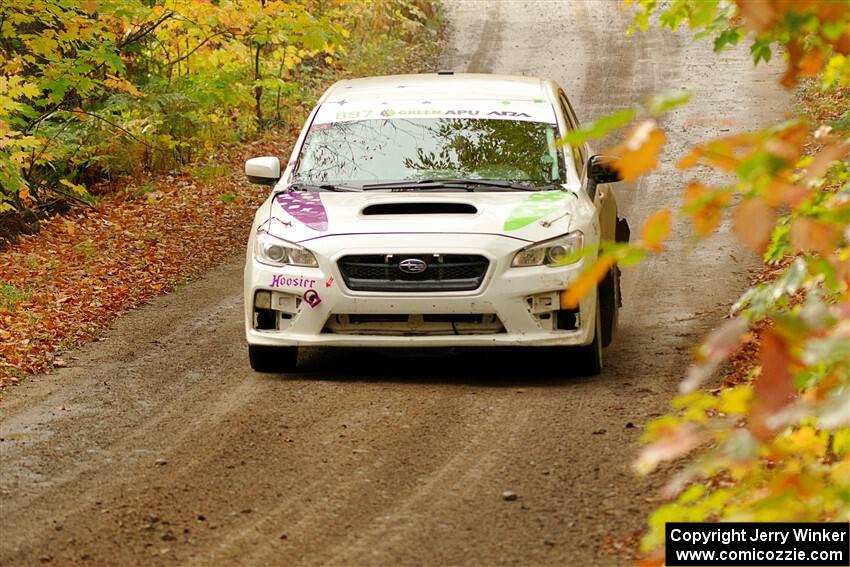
[(760, 50), (727, 37), (702, 13), (599, 128), (759, 164), (659, 104), (109, 58)]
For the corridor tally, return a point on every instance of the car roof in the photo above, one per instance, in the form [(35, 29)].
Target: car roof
[(456, 86)]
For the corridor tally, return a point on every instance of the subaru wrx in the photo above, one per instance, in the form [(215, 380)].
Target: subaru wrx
[(431, 211)]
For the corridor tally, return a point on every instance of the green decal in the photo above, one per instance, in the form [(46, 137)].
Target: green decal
[(535, 207)]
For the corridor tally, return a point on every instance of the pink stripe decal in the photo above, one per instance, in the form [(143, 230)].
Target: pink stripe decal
[(306, 208)]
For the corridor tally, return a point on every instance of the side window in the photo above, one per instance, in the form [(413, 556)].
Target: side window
[(578, 153)]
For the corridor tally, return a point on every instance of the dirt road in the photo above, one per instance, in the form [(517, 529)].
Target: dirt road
[(159, 446)]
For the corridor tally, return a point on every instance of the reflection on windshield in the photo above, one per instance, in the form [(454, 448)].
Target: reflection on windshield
[(369, 151)]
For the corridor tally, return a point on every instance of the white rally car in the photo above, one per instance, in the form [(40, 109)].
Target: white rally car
[(430, 211)]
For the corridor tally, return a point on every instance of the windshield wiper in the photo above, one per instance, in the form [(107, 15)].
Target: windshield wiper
[(301, 186), (465, 184)]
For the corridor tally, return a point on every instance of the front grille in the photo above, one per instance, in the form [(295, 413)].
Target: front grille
[(442, 272), (414, 324)]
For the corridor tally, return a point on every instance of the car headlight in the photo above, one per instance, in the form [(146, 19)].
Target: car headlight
[(277, 252), (552, 251)]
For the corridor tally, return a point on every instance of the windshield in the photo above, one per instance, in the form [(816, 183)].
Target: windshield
[(410, 149)]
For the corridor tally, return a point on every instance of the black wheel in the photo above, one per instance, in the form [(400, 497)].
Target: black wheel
[(272, 359), (610, 302), (589, 357)]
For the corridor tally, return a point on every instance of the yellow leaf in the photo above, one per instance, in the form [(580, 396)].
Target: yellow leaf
[(30, 90), (753, 222), (736, 400), (78, 189), (585, 282), (656, 229), (638, 154)]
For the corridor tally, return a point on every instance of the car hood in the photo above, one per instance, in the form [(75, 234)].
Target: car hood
[(532, 216)]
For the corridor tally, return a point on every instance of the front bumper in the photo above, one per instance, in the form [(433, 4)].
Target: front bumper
[(512, 307)]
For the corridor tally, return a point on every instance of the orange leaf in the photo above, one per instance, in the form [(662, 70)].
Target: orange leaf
[(656, 229), (758, 15), (691, 158), (90, 6), (795, 53), (773, 388), (706, 206), (655, 560), (795, 135), (822, 160), (842, 44), (753, 223), (809, 234), (694, 191), (811, 63), (585, 282), (780, 191), (638, 154), (122, 84)]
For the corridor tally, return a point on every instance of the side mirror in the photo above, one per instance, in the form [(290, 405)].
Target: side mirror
[(263, 170), (600, 170)]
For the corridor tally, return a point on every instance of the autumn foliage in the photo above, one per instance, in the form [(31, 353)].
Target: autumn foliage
[(774, 443), (93, 90)]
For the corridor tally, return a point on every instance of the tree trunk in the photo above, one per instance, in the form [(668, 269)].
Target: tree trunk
[(258, 89)]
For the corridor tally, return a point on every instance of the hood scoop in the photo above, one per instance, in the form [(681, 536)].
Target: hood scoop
[(420, 209)]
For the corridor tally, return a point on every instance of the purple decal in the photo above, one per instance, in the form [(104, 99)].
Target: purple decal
[(311, 296), (279, 280), (305, 207)]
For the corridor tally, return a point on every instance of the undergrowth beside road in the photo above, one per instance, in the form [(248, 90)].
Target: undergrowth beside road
[(144, 234)]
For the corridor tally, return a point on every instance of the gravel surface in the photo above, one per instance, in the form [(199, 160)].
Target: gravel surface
[(159, 446)]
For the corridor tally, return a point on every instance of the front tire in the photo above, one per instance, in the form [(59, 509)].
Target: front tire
[(272, 359), (610, 301), (589, 357)]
